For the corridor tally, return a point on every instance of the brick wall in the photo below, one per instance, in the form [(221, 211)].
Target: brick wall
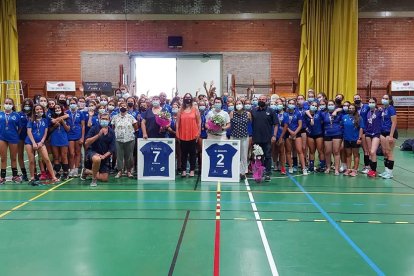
[(51, 50)]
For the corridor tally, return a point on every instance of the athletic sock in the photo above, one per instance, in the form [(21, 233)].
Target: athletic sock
[(14, 172), (373, 166), (366, 160), (3, 173)]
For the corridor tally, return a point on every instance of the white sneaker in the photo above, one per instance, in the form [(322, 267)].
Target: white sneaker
[(75, 172), (93, 183), (290, 170), (365, 171), (387, 175), (342, 169), (305, 172)]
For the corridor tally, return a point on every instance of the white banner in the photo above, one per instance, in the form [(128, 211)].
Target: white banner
[(156, 159), (403, 100), (221, 160), (61, 86), (402, 86)]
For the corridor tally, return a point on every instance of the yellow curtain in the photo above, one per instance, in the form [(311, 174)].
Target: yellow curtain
[(329, 45), (9, 60)]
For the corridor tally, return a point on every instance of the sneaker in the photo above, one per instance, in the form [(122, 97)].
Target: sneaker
[(283, 170), (372, 173), (290, 170), (75, 172), (387, 175), (327, 171), (83, 175), (33, 182), (337, 173), (48, 175), (382, 174), (93, 183), (305, 172), (267, 178), (130, 175), (295, 169), (25, 178), (16, 179), (2, 181), (242, 177), (353, 173), (43, 176), (118, 175), (365, 171), (64, 177), (342, 169), (347, 172)]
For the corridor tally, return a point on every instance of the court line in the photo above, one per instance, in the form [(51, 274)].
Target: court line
[(32, 199), (339, 229), (177, 248), (216, 266), (265, 242)]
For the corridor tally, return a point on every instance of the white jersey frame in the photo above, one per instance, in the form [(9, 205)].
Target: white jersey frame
[(171, 160), (235, 163)]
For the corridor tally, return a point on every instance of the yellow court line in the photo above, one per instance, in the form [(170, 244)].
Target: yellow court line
[(32, 199)]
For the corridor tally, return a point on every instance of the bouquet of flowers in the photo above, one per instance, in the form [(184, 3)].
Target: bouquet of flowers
[(257, 166), (216, 123), (163, 118)]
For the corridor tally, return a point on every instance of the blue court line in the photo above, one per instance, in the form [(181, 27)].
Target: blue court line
[(338, 228)]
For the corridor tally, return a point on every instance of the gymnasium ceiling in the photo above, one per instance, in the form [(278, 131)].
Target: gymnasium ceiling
[(187, 7)]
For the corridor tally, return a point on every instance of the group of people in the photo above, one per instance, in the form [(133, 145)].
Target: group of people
[(104, 131)]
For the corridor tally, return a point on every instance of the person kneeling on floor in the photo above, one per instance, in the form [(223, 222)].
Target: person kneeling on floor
[(100, 144)]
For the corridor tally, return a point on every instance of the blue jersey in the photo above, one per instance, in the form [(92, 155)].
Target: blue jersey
[(75, 122), (302, 112), (351, 132), (133, 112), (283, 119), (294, 119), (374, 121), (23, 125), (386, 115), (38, 129), (9, 127), (95, 121), (221, 157), (363, 112), (317, 127), (156, 158), (167, 107), (203, 133), (58, 136), (173, 127), (332, 124)]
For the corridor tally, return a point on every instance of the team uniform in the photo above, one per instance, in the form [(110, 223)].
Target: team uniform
[(156, 159), (221, 157), (9, 127), (38, 128), (332, 126)]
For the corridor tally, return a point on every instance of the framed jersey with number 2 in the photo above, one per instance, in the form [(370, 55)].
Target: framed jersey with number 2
[(221, 160), (156, 159)]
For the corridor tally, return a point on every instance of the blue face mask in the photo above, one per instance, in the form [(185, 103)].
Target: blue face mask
[(104, 123), (385, 102), (322, 107), (155, 103), (273, 106), (217, 106), (291, 106), (313, 108), (174, 110), (230, 108), (311, 99), (279, 107), (255, 102), (73, 106), (345, 108), (331, 107), (247, 106), (371, 105), (202, 108)]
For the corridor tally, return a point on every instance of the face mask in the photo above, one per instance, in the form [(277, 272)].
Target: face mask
[(143, 108), (385, 102), (126, 95), (27, 108), (313, 108), (248, 106), (175, 110), (217, 106), (273, 106), (279, 107), (155, 103), (39, 114), (357, 102), (338, 101), (104, 103), (202, 108), (187, 101), (345, 108), (311, 99), (91, 108), (331, 107), (291, 106), (58, 112), (322, 107), (101, 111), (118, 95), (239, 107), (8, 107), (43, 104), (261, 104), (104, 123), (62, 102), (301, 102), (320, 99), (371, 105), (255, 102), (130, 105), (123, 109), (81, 105), (230, 108), (111, 107)]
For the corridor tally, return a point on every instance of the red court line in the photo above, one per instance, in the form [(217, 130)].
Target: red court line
[(217, 235)]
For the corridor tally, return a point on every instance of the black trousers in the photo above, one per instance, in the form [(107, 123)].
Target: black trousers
[(188, 149)]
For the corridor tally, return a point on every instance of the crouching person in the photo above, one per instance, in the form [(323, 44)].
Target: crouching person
[(100, 144)]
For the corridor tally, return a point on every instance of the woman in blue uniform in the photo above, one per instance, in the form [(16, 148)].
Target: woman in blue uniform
[(37, 128), (76, 136), (283, 120), (91, 117), (9, 139), (314, 122), (302, 107), (295, 137), (353, 129), (372, 134), (59, 142), (388, 134), (363, 111), (332, 136), (25, 115), (171, 131)]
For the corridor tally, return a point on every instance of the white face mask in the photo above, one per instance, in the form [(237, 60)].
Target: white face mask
[(239, 107), (8, 107)]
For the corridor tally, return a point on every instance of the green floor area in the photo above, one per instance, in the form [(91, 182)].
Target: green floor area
[(314, 225)]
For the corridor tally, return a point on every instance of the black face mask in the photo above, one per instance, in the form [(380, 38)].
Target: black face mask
[(338, 101), (62, 102), (357, 102), (142, 108), (130, 104), (261, 104), (123, 109), (187, 101)]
